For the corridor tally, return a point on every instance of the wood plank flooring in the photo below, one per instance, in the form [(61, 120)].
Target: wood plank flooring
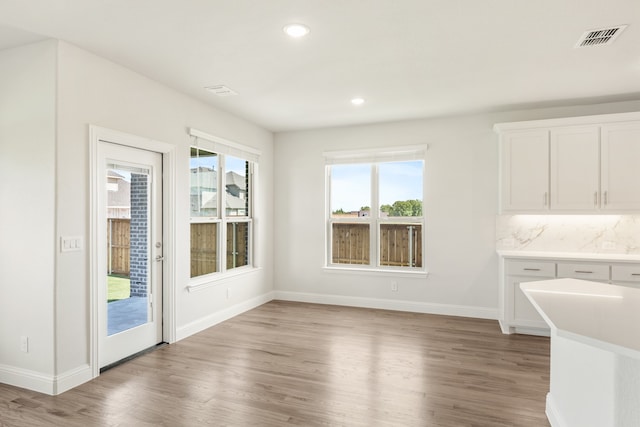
[(313, 365)]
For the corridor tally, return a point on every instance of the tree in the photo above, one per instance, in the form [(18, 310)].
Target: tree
[(365, 208), (339, 211), (404, 208)]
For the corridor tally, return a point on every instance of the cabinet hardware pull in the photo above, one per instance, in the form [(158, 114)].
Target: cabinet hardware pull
[(635, 274), (595, 199), (606, 198), (533, 269), (584, 271), (545, 198)]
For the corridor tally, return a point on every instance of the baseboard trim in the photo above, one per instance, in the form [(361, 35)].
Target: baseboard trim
[(552, 413), (220, 316), (397, 305), (27, 379), (72, 378), (42, 383)]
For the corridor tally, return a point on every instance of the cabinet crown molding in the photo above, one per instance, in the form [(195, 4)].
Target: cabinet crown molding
[(567, 121)]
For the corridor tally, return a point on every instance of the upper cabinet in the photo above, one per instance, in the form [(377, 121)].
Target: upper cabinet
[(576, 165), (525, 160), (620, 171), (575, 168)]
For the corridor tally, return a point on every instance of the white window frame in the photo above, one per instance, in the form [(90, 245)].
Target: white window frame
[(223, 148), (374, 157)]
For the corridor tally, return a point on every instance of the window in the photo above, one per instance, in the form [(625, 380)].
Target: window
[(375, 210), (203, 168), (221, 221)]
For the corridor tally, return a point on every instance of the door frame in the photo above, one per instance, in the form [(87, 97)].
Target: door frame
[(99, 135)]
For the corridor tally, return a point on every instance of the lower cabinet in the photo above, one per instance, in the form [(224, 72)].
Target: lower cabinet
[(626, 275), (517, 313)]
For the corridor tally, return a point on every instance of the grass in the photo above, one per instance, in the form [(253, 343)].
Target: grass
[(118, 288)]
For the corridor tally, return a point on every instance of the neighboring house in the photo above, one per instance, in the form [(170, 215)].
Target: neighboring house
[(118, 195), (204, 185)]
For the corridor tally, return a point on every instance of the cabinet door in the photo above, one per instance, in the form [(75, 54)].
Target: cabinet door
[(575, 168), (621, 166), (525, 171), (521, 313)]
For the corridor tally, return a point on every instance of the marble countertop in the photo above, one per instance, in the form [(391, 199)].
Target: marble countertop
[(580, 256), (601, 315)]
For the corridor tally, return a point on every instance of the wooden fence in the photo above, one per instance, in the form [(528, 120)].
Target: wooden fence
[(203, 248), (400, 244), (237, 244), (118, 246), (350, 244)]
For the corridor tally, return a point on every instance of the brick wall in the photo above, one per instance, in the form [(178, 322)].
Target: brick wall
[(139, 235)]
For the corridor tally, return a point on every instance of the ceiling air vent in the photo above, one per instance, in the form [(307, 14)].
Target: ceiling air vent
[(221, 90), (600, 37)]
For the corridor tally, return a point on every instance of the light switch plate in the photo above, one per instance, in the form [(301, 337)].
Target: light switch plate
[(70, 243)]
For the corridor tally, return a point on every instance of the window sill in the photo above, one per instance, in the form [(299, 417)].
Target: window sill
[(376, 272), (216, 279)]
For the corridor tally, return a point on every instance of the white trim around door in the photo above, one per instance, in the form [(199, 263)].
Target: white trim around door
[(99, 135)]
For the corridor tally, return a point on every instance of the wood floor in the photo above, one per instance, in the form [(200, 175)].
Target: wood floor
[(313, 365)]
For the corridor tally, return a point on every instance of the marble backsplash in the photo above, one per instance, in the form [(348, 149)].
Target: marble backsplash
[(619, 234)]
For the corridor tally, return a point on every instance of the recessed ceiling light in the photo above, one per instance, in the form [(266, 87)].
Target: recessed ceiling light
[(357, 101), (221, 90), (296, 30)]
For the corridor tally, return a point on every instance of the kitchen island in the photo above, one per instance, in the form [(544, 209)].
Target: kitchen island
[(595, 351)]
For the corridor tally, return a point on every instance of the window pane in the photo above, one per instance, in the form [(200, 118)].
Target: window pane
[(350, 190), (204, 183), (401, 245), (401, 188), (350, 244), (237, 200), (203, 248), (237, 244)]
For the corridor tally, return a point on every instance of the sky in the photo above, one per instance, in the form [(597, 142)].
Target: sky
[(351, 184), (234, 164)]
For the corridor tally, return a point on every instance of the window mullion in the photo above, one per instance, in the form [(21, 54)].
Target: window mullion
[(329, 227), (374, 230), (222, 235)]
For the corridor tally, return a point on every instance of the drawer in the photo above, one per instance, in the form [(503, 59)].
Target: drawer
[(626, 273), (584, 271), (531, 268)]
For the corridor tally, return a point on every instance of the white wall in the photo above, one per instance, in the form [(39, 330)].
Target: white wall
[(27, 206), (95, 91), (460, 207), (50, 93)]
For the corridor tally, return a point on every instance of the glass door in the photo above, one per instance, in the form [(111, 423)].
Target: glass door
[(131, 308)]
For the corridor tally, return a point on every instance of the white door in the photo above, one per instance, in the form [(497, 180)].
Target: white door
[(130, 251), (525, 171)]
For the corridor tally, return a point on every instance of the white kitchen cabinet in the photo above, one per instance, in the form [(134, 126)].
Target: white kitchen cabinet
[(574, 165), (626, 275), (575, 168), (595, 272), (518, 311), (620, 167), (517, 315), (525, 170)]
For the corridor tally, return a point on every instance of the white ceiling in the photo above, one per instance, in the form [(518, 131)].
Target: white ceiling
[(406, 58)]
